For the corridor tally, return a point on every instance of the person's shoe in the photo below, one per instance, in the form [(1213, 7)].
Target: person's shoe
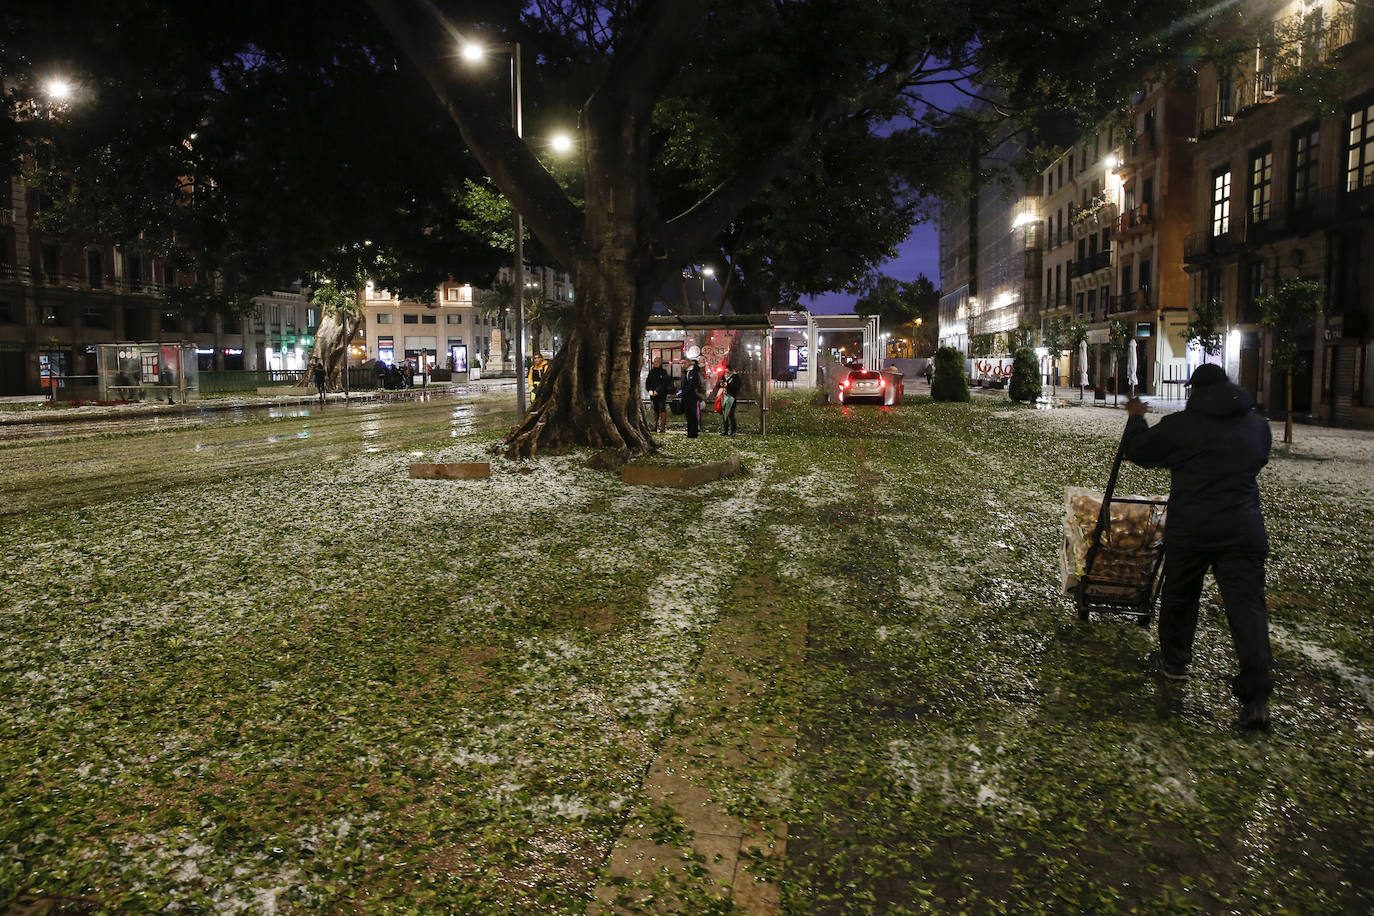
[(1255, 715), (1173, 674)]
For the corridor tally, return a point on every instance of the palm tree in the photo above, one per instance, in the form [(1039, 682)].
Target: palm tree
[(495, 305)]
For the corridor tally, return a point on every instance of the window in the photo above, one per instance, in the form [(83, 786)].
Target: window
[(52, 261), (1221, 202), (383, 318), (52, 317), (1107, 239), (453, 319), (410, 319), (1079, 300), (429, 319), (1306, 149), (93, 316), (1261, 184), (1061, 173), (1092, 303), (1359, 165), (1147, 192), (1145, 274), (1212, 288), (1058, 275), (1256, 273), (7, 311), (1082, 249), (1049, 284), (1070, 165)]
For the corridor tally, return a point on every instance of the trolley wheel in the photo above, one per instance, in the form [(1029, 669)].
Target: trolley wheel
[(1143, 620)]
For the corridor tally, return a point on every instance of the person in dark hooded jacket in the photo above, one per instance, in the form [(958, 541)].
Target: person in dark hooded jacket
[(1214, 450)]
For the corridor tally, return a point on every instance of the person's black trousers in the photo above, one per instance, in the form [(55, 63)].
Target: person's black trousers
[(1240, 577), (692, 408)]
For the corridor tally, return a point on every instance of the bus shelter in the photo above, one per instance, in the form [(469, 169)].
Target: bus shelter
[(148, 371), (740, 342)]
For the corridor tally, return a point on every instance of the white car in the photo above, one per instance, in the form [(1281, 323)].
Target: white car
[(865, 384)]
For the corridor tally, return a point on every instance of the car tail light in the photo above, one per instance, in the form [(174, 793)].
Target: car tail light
[(844, 384), (882, 383)]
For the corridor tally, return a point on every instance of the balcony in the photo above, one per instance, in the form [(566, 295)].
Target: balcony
[(1202, 246), (1134, 301), (1259, 89), (1142, 147), (1214, 117), (1133, 222)]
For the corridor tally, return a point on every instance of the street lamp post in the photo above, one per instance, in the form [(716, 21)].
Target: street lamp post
[(705, 272), (474, 52)]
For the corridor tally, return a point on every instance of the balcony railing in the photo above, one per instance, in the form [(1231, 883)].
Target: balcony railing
[(1212, 117), (1199, 246), (1143, 145), (1133, 301), (1136, 219)]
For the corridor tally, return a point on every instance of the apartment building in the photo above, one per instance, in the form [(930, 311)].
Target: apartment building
[(1285, 189), (59, 300), (991, 249), (457, 324), (1150, 287)]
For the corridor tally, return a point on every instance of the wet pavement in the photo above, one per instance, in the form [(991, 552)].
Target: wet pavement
[(87, 461)]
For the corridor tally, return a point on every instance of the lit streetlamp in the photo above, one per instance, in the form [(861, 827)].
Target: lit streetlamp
[(473, 53), (704, 273)]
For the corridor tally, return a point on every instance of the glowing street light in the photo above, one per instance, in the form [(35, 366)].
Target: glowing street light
[(561, 143), (59, 89)]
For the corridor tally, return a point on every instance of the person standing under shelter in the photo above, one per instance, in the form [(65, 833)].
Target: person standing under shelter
[(693, 390), (660, 385), (730, 383), (1214, 450)]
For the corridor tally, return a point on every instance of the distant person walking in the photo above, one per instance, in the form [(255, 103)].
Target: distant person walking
[(659, 384), (318, 374), (380, 368), (693, 390), (1214, 449)]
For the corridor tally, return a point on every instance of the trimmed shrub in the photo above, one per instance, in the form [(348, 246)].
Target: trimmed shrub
[(1025, 375), (949, 382)]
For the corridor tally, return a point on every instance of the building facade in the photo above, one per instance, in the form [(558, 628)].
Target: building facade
[(59, 301), (460, 324), (1284, 188), (991, 250)]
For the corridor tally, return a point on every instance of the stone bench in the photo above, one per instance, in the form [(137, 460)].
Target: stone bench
[(472, 470), (682, 478)]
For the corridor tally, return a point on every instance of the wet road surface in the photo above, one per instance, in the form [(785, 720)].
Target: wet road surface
[(45, 466)]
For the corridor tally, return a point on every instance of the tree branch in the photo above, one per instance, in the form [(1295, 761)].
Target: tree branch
[(429, 42), (647, 59), (692, 229)]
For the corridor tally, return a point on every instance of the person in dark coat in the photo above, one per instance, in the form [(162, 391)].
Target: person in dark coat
[(659, 384), (317, 374), (693, 390), (1214, 450)]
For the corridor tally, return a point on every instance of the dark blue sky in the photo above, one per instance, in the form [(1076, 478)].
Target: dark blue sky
[(919, 254)]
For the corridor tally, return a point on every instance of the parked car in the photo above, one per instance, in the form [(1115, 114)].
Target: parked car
[(865, 384)]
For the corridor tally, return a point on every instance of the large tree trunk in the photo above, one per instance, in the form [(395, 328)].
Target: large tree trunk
[(590, 395), (332, 340)]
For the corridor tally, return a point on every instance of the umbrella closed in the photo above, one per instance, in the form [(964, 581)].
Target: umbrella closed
[(1083, 363), (1132, 363)]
